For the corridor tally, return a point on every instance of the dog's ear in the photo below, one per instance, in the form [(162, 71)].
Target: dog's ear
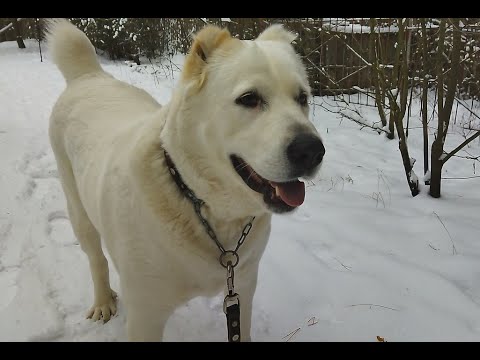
[(277, 32), (205, 43)]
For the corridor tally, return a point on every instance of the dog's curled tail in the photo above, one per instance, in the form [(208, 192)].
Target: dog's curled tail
[(70, 49)]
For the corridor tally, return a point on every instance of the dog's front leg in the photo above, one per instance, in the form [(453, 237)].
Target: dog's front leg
[(146, 321), (148, 309)]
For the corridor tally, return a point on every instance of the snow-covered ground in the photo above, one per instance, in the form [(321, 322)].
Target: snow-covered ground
[(360, 259)]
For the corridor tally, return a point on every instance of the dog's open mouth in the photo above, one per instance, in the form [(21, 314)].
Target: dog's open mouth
[(279, 196)]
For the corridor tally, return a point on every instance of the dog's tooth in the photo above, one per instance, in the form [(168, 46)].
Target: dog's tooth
[(277, 192)]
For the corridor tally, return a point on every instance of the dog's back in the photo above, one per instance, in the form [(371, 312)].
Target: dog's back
[(93, 128), (75, 56), (95, 109)]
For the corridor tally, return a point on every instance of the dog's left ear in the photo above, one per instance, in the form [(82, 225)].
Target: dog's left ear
[(277, 32), (209, 39)]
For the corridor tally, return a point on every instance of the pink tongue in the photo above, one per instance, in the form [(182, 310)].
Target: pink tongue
[(292, 193)]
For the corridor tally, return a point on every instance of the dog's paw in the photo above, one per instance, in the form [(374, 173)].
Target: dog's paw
[(104, 309)]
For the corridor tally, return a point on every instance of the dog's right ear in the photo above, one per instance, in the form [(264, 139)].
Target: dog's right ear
[(205, 43)]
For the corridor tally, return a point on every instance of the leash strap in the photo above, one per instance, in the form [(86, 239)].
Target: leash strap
[(231, 306), (232, 311)]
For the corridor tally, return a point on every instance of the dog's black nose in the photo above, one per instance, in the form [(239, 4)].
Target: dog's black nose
[(305, 152)]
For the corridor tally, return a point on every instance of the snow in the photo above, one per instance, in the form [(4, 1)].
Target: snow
[(427, 176), (413, 177), (345, 26), (361, 258)]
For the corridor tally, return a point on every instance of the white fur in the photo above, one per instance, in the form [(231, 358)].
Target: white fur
[(73, 52), (108, 138), (277, 32)]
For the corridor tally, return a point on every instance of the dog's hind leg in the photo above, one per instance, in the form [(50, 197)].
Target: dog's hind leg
[(104, 305)]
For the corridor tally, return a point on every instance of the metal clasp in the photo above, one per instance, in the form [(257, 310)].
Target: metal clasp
[(230, 279), (229, 301)]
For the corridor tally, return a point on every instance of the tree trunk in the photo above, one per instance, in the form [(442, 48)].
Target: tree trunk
[(379, 95), (437, 145), (39, 36), (437, 164), (391, 123), (445, 106), (407, 163), (398, 111), (425, 101), (18, 33), (454, 74)]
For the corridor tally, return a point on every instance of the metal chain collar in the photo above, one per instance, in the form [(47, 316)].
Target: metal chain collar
[(228, 258), (226, 255)]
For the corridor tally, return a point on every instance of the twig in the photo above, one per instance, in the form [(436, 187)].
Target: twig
[(461, 178), (454, 249), (459, 147), (359, 122), (476, 158), (381, 306), (469, 128), (5, 28), (377, 196), (291, 334), (469, 110), (38, 34), (367, 93), (346, 267), (323, 73)]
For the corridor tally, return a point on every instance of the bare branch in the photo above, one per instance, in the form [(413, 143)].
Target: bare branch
[(461, 178), (290, 335), (441, 47), (424, 108), (346, 267), (454, 249), (375, 305), (358, 120), (452, 78), (459, 147), (476, 158), (5, 28), (469, 110)]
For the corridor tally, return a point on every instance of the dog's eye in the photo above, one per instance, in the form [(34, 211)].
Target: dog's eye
[(302, 99), (250, 99)]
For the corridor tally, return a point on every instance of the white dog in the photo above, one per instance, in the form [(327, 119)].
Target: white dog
[(235, 134)]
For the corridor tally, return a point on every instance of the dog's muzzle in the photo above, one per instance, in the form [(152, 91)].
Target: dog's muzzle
[(305, 153)]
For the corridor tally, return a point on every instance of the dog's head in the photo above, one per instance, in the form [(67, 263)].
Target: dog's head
[(248, 103)]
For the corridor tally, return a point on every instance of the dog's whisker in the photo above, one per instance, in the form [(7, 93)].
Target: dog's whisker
[(252, 173), (244, 165), (241, 166)]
